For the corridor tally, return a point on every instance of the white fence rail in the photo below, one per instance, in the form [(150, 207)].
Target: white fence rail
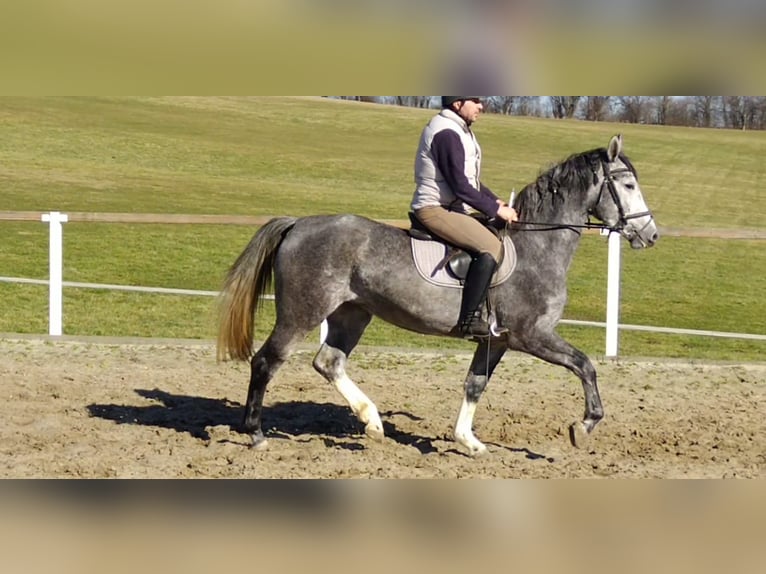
[(167, 291), (56, 283)]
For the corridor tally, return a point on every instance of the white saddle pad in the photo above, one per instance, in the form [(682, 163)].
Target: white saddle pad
[(429, 254)]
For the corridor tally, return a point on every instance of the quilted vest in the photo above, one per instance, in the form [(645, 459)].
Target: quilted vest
[(431, 188)]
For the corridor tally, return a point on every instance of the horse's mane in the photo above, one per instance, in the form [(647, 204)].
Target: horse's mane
[(543, 198)]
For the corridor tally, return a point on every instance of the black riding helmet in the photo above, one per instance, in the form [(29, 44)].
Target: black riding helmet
[(447, 101)]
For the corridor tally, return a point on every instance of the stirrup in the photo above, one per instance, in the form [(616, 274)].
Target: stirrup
[(476, 336), (494, 329)]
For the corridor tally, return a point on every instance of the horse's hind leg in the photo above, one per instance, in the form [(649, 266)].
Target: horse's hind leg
[(484, 363), (269, 358), (345, 327)]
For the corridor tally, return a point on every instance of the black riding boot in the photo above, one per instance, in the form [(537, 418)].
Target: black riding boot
[(475, 292)]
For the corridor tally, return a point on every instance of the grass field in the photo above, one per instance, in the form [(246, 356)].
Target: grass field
[(301, 156)]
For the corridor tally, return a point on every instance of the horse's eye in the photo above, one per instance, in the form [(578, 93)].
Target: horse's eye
[(630, 186)]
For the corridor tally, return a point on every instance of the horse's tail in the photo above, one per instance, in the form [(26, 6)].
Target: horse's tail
[(244, 287)]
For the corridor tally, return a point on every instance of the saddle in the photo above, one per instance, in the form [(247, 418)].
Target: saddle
[(446, 265)]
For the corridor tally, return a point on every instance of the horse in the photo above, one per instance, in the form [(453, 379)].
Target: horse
[(345, 269)]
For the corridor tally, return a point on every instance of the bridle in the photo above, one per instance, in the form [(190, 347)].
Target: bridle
[(609, 179), (608, 183)]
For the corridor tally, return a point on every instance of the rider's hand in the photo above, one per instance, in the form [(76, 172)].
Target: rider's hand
[(507, 213)]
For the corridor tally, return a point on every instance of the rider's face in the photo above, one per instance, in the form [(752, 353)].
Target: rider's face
[(469, 110)]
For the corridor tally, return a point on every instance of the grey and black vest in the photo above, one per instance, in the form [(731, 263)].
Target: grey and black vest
[(431, 188)]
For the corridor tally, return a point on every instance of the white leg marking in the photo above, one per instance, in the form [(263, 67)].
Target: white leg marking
[(464, 429), (364, 409)]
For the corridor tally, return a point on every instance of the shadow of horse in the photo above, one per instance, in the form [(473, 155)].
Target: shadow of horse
[(528, 454), (336, 424), (289, 420), (183, 414)]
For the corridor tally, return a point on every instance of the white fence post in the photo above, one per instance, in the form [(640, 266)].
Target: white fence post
[(56, 285), (613, 294)]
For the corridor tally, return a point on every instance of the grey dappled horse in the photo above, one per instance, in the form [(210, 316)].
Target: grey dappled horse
[(346, 268)]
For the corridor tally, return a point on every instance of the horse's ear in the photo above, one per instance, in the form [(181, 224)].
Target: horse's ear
[(615, 148)]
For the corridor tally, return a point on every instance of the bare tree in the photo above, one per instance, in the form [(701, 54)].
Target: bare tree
[(743, 112), (358, 98), (413, 101), (530, 106), (734, 111), (680, 112), (502, 104), (564, 106), (633, 108), (737, 112), (759, 119), (662, 107), (704, 110), (597, 108)]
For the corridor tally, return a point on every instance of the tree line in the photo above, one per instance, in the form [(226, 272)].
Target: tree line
[(733, 112)]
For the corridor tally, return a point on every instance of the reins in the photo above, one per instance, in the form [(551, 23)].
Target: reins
[(557, 226), (576, 228)]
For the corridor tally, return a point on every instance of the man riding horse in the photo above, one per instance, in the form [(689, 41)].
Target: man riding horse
[(449, 189), (346, 283)]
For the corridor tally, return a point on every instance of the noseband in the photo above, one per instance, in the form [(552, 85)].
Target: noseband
[(609, 179)]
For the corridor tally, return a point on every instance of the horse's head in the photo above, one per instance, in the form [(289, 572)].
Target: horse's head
[(618, 200)]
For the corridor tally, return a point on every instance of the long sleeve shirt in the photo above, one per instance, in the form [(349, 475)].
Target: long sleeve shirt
[(449, 155)]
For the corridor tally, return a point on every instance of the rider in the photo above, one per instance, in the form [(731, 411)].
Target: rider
[(447, 170)]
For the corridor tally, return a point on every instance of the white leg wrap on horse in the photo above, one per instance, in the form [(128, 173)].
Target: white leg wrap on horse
[(464, 429), (364, 409)]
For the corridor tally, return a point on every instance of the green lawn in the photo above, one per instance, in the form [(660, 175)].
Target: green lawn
[(300, 156)]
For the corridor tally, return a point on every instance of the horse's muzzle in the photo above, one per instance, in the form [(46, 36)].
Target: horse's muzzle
[(646, 236)]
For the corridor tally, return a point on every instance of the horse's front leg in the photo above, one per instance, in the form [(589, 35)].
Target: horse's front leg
[(552, 348), (485, 360)]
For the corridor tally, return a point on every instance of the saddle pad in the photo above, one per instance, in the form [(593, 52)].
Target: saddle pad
[(429, 254)]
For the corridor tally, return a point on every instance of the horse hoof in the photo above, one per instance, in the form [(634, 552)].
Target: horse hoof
[(375, 432), (479, 452), (578, 435), (261, 446), (475, 449), (260, 442)]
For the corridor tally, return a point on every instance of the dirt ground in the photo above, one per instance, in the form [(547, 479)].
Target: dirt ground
[(95, 410)]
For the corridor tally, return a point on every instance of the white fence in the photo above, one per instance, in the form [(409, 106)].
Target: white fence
[(56, 284)]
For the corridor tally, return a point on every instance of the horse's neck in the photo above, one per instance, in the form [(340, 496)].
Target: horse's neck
[(554, 247), (547, 243)]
